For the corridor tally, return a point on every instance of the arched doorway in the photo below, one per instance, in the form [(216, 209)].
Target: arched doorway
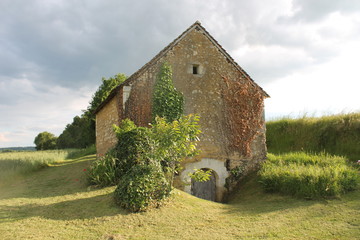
[(205, 190)]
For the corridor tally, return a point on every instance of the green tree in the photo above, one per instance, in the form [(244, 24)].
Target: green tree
[(81, 132), (103, 91), (78, 134), (45, 141)]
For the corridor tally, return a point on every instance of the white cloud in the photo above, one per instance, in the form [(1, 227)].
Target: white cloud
[(326, 88)]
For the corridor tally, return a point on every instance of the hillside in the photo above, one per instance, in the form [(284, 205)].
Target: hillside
[(336, 134), (56, 203)]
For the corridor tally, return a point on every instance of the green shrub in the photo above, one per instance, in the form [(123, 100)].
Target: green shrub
[(102, 172), (160, 148), (308, 176), (143, 186)]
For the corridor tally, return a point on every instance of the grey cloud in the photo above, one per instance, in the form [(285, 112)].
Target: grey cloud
[(73, 44), (310, 10)]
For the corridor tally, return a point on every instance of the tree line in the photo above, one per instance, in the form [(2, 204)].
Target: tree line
[(81, 132)]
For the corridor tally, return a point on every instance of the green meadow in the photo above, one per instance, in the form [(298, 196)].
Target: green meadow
[(295, 195)]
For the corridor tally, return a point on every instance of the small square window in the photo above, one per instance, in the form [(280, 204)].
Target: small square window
[(195, 69)]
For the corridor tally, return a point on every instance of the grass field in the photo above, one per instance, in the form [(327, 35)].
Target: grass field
[(56, 203), (22, 162)]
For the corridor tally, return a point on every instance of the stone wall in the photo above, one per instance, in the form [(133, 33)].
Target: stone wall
[(202, 92), (105, 118)]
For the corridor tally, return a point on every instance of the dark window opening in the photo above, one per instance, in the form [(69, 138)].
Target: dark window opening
[(195, 69)]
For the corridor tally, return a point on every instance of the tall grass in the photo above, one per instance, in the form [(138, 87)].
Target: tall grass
[(23, 162), (309, 176), (336, 134)]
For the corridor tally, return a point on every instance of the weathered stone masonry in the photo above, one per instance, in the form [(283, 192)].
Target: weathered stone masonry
[(198, 63)]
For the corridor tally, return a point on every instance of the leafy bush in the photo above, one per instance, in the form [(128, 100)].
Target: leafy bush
[(143, 186), (103, 171), (156, 151), (308, 176)]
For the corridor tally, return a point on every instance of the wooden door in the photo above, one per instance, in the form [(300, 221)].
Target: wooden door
[(205, 190)]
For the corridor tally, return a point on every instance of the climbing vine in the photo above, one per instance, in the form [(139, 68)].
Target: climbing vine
[(167, 101), (244, 105)]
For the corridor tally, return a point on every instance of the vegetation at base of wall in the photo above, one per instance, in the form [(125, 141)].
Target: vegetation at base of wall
[(12, 163), (337, 134), (235, 175), (156, 151), (168, 103), (143, 186), (308, 175)]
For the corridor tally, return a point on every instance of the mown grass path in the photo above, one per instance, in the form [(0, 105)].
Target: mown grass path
[(56, 203)]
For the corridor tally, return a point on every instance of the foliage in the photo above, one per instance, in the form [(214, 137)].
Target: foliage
[(244, 105), (45, 141), (102, 172), (336, 134), (143, 186), (162, 146), (167, 101), (104, 90), (81, 132), (175, 141), (308, 176), (201, 175)]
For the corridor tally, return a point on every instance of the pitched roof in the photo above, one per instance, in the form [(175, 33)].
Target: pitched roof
[(197, 25)]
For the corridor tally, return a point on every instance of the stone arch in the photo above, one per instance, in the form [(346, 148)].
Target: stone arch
[(219, 171)]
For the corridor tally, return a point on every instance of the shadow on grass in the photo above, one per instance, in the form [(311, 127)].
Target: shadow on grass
[(61, 178), (86, 208)]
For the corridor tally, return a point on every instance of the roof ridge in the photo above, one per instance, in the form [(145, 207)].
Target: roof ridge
[(165, 50)]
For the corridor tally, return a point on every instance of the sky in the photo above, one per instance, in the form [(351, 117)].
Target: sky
[(53, 54)]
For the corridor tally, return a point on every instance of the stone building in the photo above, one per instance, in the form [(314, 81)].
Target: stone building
[(200, 67)]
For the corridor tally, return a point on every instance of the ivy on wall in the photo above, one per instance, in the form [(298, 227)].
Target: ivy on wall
[(167, 101), (244, 104)]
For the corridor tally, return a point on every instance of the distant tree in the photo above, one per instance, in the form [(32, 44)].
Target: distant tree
[(78, 134), (81, 132), (45, 141)]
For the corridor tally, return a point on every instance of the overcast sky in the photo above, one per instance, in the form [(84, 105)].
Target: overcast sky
[(53, 53)]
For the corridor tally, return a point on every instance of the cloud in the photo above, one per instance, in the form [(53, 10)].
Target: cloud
[(54, 53), (309, 10)]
